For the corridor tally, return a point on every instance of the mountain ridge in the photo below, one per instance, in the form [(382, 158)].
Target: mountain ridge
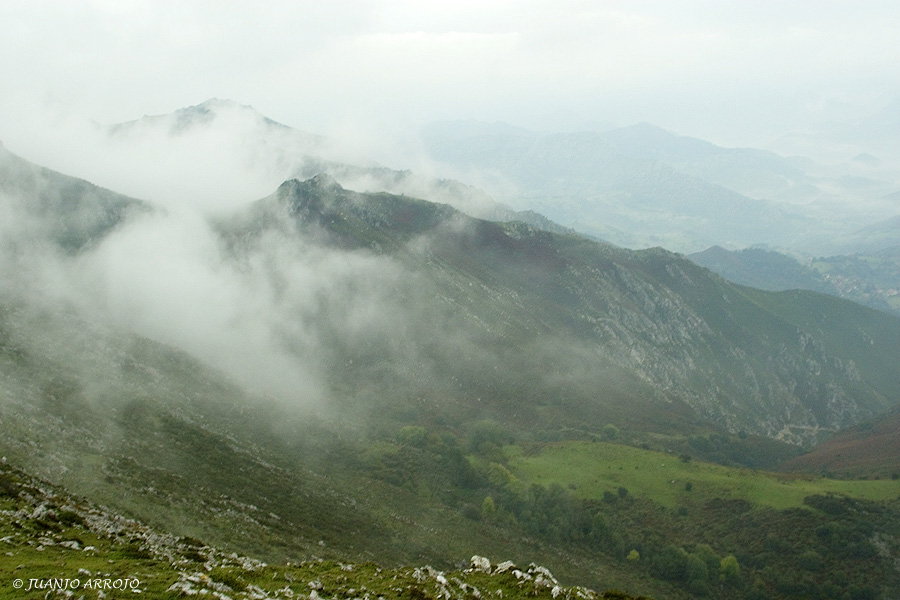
[(536, 268)]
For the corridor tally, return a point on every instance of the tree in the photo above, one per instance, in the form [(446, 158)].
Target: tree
[(610, 431), (670, 564), (705, 553), (488, 508), (696, 572), (730, 570)]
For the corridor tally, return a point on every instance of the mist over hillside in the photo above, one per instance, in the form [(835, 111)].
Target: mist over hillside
[(396, 353), (318, 293)]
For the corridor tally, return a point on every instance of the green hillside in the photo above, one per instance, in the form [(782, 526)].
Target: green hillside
[(592, 468)]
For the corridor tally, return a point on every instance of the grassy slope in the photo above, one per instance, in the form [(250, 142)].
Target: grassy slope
[(595, 467), (793, 537), (47, 534)]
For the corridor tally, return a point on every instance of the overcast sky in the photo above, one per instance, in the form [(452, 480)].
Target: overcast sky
[(737, 72)]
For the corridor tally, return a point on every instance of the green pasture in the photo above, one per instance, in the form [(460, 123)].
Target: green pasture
[(588, 469)]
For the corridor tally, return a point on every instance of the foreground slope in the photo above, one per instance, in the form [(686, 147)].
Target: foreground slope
[(57, 543), (156, 436)]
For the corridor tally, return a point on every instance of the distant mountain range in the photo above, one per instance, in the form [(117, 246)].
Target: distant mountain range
[(871, 139), (643, 186)]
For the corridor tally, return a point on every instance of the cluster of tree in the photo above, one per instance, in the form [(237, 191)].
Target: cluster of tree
[(742, 449), (708, 547), (702, 570)]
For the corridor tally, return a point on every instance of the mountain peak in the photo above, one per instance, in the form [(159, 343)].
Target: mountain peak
[(308, 194), (209, 110), (200, 115), (220, 104), (322, 181)]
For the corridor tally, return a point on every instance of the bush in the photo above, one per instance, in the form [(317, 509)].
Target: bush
[(670, 564), (68, 517), (8, 486), (811, 561), (134, 551), (488, 507), (490, 432), (227, 577), (412, 435)]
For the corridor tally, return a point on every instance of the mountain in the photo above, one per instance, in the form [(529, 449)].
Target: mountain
[(411, 353), (754, 173), (877, 237), (873, 134), (871, 279), (643, 186), (615, 322), (759, 268), (583, 181), (40, 206), (217, 155), (100, 550)]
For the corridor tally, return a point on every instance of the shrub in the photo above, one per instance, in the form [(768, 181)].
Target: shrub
[(412, 435), (68, 517), (670, 564), (811, 561), (8, 487), (227, 577)]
